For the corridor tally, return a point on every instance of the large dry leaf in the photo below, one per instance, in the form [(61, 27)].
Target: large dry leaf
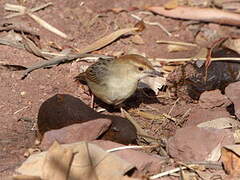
[(215, 154), (106, 40), (220, 123), (88, 162), (231, 159), (4, 65), (176, 48), (154, 83), (199, 14), (57, 163), (171, 4), (233, 44)]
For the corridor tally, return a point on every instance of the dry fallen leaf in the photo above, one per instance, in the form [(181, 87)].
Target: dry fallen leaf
[(233, 44), (176, 48), (215, 154), (231, 159), (220, 123), (171, 4), (105, 40), (154, 83), (236, 136), (199, 14), (80, 161), (136, 39)]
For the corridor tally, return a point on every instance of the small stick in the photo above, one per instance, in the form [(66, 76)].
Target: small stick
[(167, 173), (131, 147), (196, 59), (177, 43), (58, 60), (20, 110), (153, 24), (175, 103), (140, 131), (21, 10)]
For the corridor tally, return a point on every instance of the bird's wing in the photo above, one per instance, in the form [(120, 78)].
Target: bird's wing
[(98, 71)]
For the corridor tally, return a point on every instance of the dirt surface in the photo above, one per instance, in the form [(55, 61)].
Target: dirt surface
[(85, 21)]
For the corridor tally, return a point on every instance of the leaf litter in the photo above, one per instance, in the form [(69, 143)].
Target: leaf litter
[(62, 57)]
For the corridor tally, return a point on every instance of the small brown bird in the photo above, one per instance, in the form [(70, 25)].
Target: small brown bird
[(114, 80)]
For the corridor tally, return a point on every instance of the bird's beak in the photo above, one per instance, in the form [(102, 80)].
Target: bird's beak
[(155, 73)]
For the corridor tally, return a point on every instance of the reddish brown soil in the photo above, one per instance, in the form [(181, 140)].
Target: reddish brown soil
[(22, 98)]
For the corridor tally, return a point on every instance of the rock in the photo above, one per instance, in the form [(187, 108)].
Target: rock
[(144, 162), (199, 115), (214, 98), (232, 91), (87, 131), (63, 110), (196, 144)]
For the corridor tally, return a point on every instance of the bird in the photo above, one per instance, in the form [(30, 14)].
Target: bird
[(114, 80)]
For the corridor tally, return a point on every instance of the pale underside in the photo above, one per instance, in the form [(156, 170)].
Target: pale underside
[(113, 90)]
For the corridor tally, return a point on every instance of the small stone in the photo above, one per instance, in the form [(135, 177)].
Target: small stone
[(196, 144), (212, 99), (233, 93), (86, 131), (23, 93)]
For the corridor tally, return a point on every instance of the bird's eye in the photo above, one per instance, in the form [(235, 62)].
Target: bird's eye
[(140, 68)]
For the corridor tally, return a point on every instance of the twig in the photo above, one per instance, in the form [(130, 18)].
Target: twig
[(58, 60), (21, 10), (177, 43), (186, 113), (131, 147), (196, 59), (152, 24), (41, 7), (200, 14), (188, 166), (20, 110), (11, 43), (169, 117), (175, 103), (208, 164), (140, 131), (167, 173)]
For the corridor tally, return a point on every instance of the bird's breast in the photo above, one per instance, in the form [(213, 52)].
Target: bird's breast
[(120, 89)]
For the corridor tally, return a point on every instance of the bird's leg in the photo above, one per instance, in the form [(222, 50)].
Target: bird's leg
[(92, 100)]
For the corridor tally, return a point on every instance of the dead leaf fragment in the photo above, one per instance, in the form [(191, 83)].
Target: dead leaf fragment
[(233, 44), (80, 161), (236, 136), (171, 4), (140, 25), (220, 123), (176, 48), (215, 154), (105, 40), (57, 163), (199, 14), (136, 39), (231, 159)]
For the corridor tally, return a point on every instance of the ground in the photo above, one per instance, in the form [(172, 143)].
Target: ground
[(85, 21)]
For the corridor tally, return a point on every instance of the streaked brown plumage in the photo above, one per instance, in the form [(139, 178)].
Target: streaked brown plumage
[(114, 80)]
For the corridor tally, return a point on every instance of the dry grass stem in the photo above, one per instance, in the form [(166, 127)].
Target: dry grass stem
[(106, 40), (140, 131), (169, 117), (152, 24), (166, 173), (196, 59), (175, 103), (131, 147), (21, 10), (177, 43)]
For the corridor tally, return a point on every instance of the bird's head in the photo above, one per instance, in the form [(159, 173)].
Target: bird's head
[(137, 66)]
